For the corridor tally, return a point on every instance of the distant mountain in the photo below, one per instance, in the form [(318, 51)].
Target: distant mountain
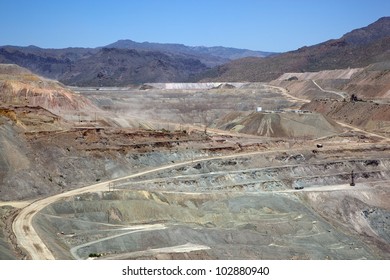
[(127, 62), (357, 48), (121, 67), (103, 66), (210, 56), (122, 63)]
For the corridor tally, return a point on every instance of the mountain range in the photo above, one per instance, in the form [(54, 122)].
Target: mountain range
[(210, 56), (122, 63), (127, 62)]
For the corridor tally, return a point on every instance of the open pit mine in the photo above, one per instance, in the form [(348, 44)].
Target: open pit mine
[(192, 171)]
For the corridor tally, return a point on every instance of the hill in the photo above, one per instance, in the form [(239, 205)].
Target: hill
[(20, 87), (355, 49)]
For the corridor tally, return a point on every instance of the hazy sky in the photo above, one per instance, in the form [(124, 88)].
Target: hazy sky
[(274, 25)]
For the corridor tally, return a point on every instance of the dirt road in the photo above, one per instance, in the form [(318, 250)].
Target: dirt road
[(341, 94), (129, 230), (284, 92)]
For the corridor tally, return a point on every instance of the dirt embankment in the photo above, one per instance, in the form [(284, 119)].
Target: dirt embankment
[(372, 83), (366, 115)]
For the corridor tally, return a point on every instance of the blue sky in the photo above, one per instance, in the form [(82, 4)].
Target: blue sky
[(274, 25)]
